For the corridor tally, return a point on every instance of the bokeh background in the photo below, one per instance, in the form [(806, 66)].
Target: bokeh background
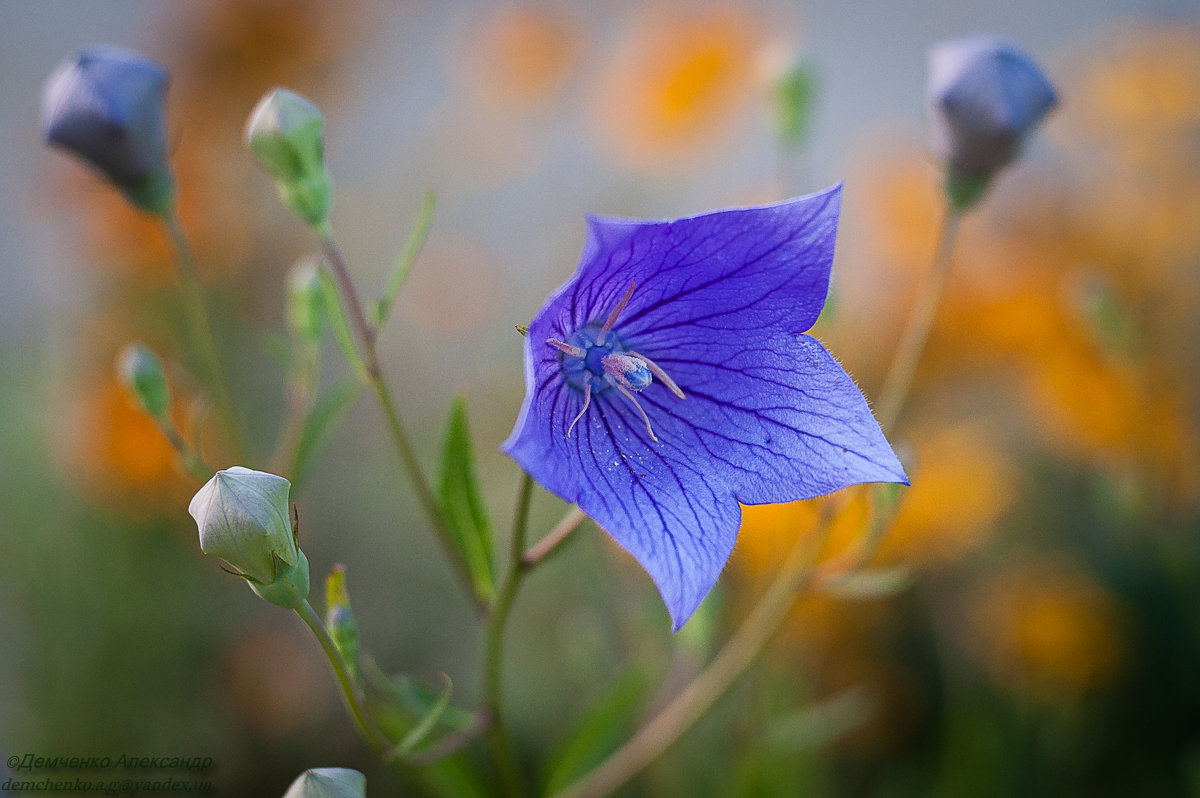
[(1047, 641)]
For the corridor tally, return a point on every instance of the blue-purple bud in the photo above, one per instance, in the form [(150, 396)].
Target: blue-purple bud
[(985, 97), (328, 783), (243, 518), (108, 106)]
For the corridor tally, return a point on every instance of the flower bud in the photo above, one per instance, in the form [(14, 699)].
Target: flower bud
[(142, 373), (107, 105), (306, 301), (243, 519), (328, 783), (286, 132), (985, 97)]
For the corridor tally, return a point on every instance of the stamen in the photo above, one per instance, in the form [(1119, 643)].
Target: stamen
[(587, 400), (646, 418), (573, 351), (657, 371), (612, 317)]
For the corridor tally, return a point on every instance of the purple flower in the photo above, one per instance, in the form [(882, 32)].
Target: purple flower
[(670, 379), (985, 97), (107, 105)]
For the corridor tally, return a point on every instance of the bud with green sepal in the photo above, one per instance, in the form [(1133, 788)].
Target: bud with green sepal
[(306, 304), (287, 133), (142, 373), (243, 519), (328, 783), (340, 621)]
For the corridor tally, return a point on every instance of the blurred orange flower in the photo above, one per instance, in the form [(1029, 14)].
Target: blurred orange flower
[(517, 56), (1045, 627), (683, 78)]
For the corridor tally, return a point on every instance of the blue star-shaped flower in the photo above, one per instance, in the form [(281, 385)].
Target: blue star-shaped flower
[(670, 379)]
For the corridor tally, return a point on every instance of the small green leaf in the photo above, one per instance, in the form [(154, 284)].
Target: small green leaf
[(341, 325), (462, 504), (870, 584), (822, 722), (319, 424), (795, 96), (404, 263), (603, 727), (428, 722)]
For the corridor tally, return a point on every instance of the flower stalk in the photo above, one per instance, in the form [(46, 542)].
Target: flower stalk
[(201, 333), (497, 735), (920, 322), (350, 695), (366, 333)]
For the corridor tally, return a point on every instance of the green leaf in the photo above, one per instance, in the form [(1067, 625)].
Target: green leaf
[(605, 725), (870, 584), (404, 263), (319, 424), (428, 722), (823, 722), (462, 504), (795, 96), (341, 325)]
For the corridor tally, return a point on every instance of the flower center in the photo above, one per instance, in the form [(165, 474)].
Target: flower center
[(594, 358), (601, 360)]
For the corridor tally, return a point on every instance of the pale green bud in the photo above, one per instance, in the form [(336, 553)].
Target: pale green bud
[(142, 373), (306, 300), (328, 783), (287, 133), (242, 516)]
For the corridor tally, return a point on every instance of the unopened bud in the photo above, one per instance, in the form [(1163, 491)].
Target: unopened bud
[(306, 301), (243, 518), (142, 373), (328, 783), (107, 105), (287, 133), (985, 97)]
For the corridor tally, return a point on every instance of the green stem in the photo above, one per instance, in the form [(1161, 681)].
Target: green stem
[(497, 736), (201, 334), (667, 726), (912, 342), (365, 333), (353, 700), (191, 460)]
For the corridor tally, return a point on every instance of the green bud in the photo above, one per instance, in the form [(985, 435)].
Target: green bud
[(243, 518), (340, 620), (142, 373), (306, 301), (287, 133), (795, 96), (328, 783)]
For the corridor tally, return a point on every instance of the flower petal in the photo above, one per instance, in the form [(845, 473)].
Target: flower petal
[(721, 304)]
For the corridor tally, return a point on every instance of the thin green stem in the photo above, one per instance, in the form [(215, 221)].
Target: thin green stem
[(912, 342), (686, 708), (497, 735), (365, 333), (354, 701), (192, 461), (201, 334)]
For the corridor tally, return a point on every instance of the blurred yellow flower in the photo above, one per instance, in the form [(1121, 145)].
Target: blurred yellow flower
[(684, 77)]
